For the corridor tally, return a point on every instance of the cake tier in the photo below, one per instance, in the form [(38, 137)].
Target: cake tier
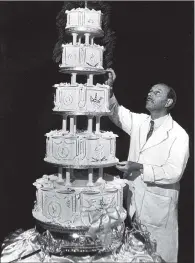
[(82, 99), (91, 218), (84, 20), (81, 150), (82, 58)]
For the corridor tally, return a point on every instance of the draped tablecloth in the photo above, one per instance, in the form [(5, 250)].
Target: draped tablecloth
[(27, 246)]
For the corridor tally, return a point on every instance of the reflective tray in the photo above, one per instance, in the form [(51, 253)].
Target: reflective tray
[(82, 70)]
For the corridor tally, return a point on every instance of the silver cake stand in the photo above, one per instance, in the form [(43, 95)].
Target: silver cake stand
[(88, 113), (84, 29), (78, 166), (82, 70)]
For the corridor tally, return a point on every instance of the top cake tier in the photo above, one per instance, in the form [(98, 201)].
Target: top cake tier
[(84, 20)]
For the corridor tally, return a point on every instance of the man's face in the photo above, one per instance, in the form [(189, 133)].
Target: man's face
[(157, 98)]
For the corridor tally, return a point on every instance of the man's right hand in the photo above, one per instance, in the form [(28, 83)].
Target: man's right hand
[(111, 79)]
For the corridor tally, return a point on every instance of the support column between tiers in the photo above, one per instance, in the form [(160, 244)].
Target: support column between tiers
[(90, 177), (73, 127), (101, 172), (64, 123), (90, 124), (68, 174), (74, 36), (60, 175), (97, 124)]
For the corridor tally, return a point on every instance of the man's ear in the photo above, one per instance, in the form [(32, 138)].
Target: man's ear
[(168, 103)]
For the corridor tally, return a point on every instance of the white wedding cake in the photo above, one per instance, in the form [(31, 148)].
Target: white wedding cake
[(80, 205)]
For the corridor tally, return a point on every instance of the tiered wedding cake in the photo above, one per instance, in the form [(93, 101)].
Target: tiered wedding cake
[(80, 206)]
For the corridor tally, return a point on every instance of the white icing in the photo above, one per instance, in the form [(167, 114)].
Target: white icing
[(70, 207), (82, 55), (81, 149), (83, 17), (82, 98)]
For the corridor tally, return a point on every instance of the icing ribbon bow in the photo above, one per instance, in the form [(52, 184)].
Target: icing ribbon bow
[(101, 221)]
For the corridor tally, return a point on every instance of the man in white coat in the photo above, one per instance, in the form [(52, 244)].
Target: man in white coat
[(158, 154)]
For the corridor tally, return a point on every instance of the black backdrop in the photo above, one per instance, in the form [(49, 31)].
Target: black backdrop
[(154, 44)]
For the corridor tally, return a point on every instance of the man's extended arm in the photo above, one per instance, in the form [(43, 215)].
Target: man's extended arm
[(121, 116)]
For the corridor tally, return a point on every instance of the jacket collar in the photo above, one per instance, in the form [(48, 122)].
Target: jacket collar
[(158, 136)]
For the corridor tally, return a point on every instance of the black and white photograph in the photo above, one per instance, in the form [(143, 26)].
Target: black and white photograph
[(97, 131)]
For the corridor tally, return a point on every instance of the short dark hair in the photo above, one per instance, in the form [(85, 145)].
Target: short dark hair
[(170, 95)]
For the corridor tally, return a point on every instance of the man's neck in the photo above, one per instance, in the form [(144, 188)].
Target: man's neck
[(156, 115)]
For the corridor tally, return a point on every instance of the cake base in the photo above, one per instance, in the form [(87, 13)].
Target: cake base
[(61, 241)]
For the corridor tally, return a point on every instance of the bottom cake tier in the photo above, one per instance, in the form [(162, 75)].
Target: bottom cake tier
[(81, 218)]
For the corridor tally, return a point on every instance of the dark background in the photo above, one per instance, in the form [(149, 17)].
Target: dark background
[(155, 43)]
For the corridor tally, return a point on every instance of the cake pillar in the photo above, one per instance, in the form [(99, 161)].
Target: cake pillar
[(90, 177), (60, 175), (68, 173), (64, 123), (87, 38), (90, 124), (73, 124), (74, 35), (92, 41), (101, 172), (97, 124), (73, 79), (63, 55), (90, 80)]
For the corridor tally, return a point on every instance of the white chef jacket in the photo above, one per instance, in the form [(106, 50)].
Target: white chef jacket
[(155, 189)]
